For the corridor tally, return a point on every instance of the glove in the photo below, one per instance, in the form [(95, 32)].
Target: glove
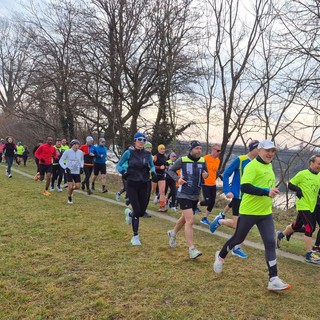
[(68, 170), (154, 177), (299, 194), (124, 174), (81, 170)]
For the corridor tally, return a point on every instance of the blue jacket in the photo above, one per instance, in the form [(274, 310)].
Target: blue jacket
[(101, 154), (236, 168)]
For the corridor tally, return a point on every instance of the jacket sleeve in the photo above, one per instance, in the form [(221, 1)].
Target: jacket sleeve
[(125, 157), (234, 166), (172, 171)]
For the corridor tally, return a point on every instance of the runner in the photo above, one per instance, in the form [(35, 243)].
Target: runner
[(257, 184), (101, 153), (57, 170), (305, 184), (209, 188), (232, 191), (89, 153), (72, 162), (45, 153), (8, 151), (160, 163), (139, 164), (192, 170)]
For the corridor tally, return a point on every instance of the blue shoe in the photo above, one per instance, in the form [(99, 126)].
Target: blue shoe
[(205, 221), (239, 253), (215, 223)]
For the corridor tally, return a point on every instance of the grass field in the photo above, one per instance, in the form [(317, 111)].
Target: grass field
[(76, 262)]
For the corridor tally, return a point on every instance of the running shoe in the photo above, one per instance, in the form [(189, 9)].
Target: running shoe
[(89, 191), (316, 249), (279, 237), (59, 189), (312, 258), (155, 200), (277, 285), (36, 177), (172, 239), (239, 253), (118, 196), (128, 216), (163, 209), (215, 224), (135, 241), (52, 189), (197, 210), (205, 221), (288, 236), (218, 263), (194, 253), (46, 193), (174, 209), (70, 200), (10, 175), (147, 215), (104, 190)]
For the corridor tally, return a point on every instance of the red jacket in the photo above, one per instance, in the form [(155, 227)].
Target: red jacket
[(45, 153)]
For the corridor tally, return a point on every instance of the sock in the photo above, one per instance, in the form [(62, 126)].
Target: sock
[(162, 203), (308, 254)]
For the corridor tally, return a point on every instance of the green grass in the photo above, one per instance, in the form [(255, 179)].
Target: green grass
[(76, 262)]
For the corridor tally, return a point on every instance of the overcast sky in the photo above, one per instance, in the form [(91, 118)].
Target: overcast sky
[(7, 6)]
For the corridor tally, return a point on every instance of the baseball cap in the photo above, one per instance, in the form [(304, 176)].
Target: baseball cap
[(266, 144)]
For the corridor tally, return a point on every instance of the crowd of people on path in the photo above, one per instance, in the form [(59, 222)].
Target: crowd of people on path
[(178, 182)]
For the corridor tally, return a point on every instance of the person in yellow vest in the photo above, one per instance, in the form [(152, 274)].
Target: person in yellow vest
[(209, 188), (19, 153), (232, 191)]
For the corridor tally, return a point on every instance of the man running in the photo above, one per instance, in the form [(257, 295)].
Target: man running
[(232, 191), (45, 153), (258, 187), (192, 170), (72, 162), (101, 153), (305, 184)]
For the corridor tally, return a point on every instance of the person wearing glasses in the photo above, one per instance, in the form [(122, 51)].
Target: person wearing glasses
[(193, 170), (209, 188), (99, 165), (135, 166), (232, 191)]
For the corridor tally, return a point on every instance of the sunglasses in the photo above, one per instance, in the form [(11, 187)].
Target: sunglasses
[(141, 139)]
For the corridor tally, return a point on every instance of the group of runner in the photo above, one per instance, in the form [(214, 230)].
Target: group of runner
[(249, 182)]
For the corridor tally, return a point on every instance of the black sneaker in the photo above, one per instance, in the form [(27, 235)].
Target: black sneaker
[(89, 192), (147, 215), (104, 189)]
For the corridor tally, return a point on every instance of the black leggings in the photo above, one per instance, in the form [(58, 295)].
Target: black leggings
[(57, 174), (170, 183), (87, 172), (209, 195), (266, 229), (137, 193)]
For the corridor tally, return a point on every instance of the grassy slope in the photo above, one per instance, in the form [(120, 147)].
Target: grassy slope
[(76, 262)]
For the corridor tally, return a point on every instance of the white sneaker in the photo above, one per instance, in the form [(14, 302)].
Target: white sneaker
[(70, 200), (277, 285), (155, 200), (128, 217), (218, 264), (174, 209), (118, 196), (172, 239), (135, 241), (59, 189), (51, 188), (194, 253)]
